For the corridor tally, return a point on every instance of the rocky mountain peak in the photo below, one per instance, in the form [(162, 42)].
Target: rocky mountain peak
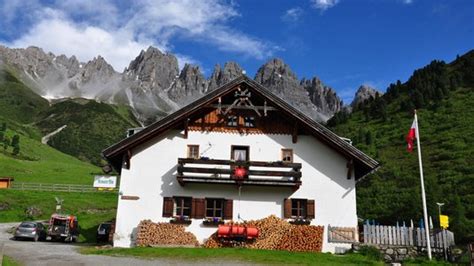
[(221, 76), (189, 85), (363, 93), (154, 69), (277, 75), (324, 97)]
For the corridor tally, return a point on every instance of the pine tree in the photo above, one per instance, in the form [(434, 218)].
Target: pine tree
[(6, 143), (3, 127), (16, 150), (368, 137), (15, 141)]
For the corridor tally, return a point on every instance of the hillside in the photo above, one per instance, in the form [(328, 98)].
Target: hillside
[(41, 163), (90, 126), (444, 95), (17, 101)]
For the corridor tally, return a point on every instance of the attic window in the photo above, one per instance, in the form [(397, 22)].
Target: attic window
[(232, 121), (249, 121), (287, 155), (193, 151)]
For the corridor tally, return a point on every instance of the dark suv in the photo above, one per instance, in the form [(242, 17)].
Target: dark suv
[(103, 232), (30, 230)]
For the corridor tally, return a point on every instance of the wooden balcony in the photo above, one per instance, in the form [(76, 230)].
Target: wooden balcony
[(209, 171)]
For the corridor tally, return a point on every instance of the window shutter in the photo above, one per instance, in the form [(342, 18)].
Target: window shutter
[(310, 209), (198, 208), (287, 208), (228, 210), (168, 205)]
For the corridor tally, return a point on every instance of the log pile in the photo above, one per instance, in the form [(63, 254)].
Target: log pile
[(278, 234), (161, 234)]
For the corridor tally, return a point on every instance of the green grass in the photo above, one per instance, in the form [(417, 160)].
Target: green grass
[(237, 254), (43, 164), (8, 261), (90, 208)]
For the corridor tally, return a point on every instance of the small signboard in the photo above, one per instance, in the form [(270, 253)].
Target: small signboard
[(444, 221), (105, 181)]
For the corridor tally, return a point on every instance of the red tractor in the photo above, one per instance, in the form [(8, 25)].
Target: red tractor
[(63, 227)]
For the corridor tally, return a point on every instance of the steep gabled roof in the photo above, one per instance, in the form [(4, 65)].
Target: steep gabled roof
[(363, 163)]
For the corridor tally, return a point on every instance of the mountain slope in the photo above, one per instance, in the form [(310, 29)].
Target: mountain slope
[(18, 102), (444, 94), (90, 127), (41, 163)]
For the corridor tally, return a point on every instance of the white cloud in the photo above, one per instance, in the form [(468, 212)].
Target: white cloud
[(292, 14), (324, 4), (118, 32)]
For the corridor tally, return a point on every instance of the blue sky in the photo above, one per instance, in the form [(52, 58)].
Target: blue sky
[(346, 43)]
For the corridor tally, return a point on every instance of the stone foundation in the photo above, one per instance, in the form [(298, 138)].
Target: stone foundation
[(392, 253)]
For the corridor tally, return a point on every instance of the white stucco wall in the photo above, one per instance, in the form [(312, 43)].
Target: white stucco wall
[(152, 176)]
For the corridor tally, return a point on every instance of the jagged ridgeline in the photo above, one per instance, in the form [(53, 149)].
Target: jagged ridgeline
[(153, 85), (444, 96)]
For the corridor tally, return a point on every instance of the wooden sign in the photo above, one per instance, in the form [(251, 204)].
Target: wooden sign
[(125, 197)]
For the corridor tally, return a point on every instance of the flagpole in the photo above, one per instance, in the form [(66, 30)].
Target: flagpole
[(423, 195)]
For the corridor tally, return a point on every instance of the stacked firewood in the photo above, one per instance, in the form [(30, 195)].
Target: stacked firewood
[(278, 234), (161, 234), (303, 238)]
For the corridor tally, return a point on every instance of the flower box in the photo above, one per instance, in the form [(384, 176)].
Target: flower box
[(300, 221), (213, 221), (181, 220)]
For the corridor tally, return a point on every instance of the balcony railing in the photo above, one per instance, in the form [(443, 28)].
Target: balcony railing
[(222, 172)]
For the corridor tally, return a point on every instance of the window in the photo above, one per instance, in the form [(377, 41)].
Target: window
[(249, 121), (214, 208), (298, 208), (193, 151), (239, 153), (232, 121), (287, 155), (182, 206)]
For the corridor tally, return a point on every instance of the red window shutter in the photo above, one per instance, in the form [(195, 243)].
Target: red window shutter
[(310, 209), (287, 208), (228, 209), (198, 208), (168, 205)]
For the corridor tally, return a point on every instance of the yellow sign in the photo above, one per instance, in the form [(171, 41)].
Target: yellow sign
[(444, 221)]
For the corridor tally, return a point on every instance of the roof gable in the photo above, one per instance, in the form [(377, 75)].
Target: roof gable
[(363, 163)]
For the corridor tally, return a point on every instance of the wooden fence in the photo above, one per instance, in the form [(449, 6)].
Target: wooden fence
[(58, 187), (406, 236)]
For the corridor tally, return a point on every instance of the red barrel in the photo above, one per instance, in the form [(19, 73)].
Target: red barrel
[(223, 231), (234, 231), (252, 232)]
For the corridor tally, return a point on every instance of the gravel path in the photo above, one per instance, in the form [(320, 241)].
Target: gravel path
[(52, 253)]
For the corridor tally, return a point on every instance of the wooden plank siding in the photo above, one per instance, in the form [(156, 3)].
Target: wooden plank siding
[(212, 121)]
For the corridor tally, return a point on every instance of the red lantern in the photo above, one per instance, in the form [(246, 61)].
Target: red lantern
[(240, 172)]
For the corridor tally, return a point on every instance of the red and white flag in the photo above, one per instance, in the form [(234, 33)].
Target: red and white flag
[(411, 136)]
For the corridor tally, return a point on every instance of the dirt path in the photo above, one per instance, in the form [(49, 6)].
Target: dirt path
[(51, 253)]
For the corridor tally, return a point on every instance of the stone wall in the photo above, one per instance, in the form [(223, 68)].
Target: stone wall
[(392, 253)]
